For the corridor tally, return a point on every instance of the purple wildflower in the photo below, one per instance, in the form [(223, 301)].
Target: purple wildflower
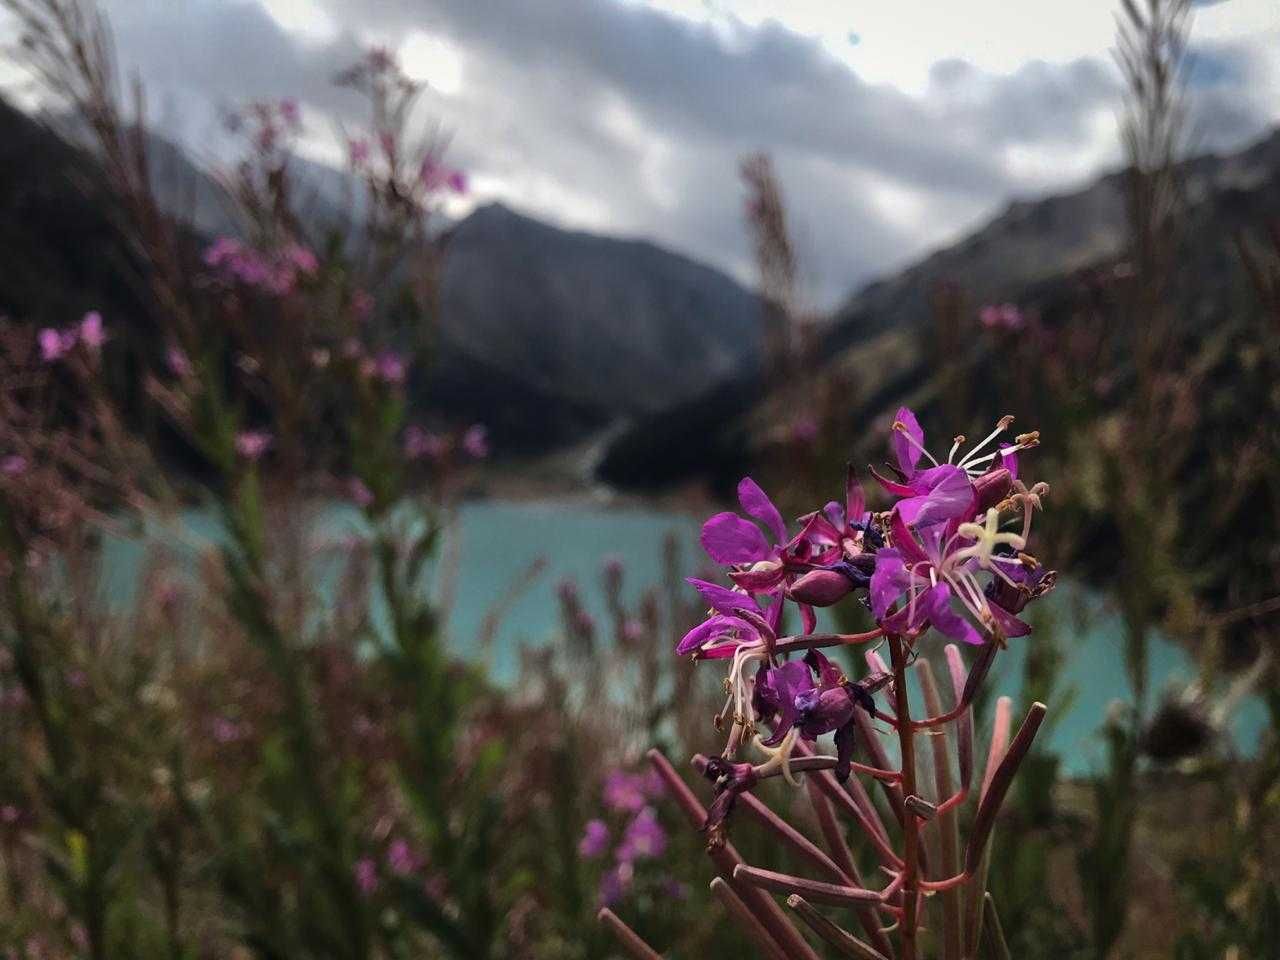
[(179, 363), (252, 444), (366, 876), (13, 465), (55, 344), (91, 332), (401, 860), (595, 840), (625, 792), (475, 442), (359, 493), (644, 837), (390, 367)]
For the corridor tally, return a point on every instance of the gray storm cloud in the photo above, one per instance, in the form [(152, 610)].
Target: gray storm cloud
[(629, 120)]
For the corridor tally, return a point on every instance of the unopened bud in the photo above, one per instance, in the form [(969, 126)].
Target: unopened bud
[(821, 588), (992, 487)]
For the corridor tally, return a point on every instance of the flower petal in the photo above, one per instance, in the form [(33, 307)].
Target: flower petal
[(889, 581), (728, 538), (714, 628), (757, 504), (949, 495), (722, 599), (937, 604), (907, 453)]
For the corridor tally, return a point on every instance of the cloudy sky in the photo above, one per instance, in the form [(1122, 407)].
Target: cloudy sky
[(896, 125)]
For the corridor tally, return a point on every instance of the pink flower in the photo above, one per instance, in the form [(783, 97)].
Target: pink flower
[(390, 367), (457, 181), (55, 344), (358, 151), (290, 112), (13, 465), (225, 731), (436, 176), (625, 792), (366, 874), (1003, 316), (91, 333), (303, 258), (476, 441), (252, 444), (401, 859), (595, 840), (420, 443), (9, 814), (179, 363), (360, 494)]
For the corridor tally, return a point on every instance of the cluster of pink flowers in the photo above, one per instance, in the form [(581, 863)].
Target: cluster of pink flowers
[(424, 444), (275, 272), (436, 177), (89, 332), (402, 860), (1002, 316), (628, 796)]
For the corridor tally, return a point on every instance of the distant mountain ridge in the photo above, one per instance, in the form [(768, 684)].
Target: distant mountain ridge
[(622, 324), (545, 334), (1033, 253)]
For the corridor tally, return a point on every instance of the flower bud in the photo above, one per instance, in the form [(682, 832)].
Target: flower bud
[(822, 711), (991, 488), (821, 588)]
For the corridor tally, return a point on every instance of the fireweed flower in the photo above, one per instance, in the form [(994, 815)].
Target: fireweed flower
[(595, 840), (366, 876), (92, 335), (644, 837), (252, 444), (476, 441), (950, 555)]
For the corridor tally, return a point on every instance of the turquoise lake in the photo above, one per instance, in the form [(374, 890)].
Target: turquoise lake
[(497, 541)]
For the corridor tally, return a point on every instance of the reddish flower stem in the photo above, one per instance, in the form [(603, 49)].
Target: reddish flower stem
[(747, 920), (817, 641), (910, 876), (627, 938)]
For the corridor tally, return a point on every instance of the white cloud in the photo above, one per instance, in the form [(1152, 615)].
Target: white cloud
[(629, 116)]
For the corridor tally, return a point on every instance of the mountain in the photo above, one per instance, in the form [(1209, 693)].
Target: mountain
[(622, 325), (546, 335), (1039, 254)]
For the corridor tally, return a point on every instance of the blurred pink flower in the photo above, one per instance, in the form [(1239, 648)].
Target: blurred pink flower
[(178, 361), (390, 367), (476, 441), (91, 333), (625, 792), (10, 814), (366, 874), (595, 840), (13, 465), (358, 152), (420, 443), (436, 176), (1002, 316), (225, 730), (401, 860), (359, 493), (290, 112), (54, 344), (252, 444), (632, 630)]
